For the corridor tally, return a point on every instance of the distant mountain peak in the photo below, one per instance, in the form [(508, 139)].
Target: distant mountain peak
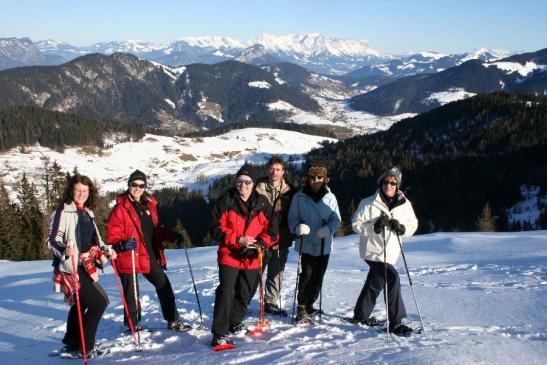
[(217, 42), (314, 43)]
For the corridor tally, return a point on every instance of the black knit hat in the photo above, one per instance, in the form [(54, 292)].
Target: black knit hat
[(247, 170), (136, 175)]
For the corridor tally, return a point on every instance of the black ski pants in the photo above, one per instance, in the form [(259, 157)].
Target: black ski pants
[(164, 291), (374, 284), (311, 279), (93, 302), (232, 296)]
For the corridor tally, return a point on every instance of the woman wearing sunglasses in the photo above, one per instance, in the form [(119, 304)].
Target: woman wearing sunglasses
[(382, 220), (242, 221), (314, 217), (134, 230)]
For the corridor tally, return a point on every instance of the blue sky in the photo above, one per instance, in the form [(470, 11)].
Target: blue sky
[(390, 25)]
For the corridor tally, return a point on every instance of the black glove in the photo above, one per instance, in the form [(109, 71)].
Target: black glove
[(260, 244), (397, 227), (177, 238), (130, 244), (249, 252), (380, 224)]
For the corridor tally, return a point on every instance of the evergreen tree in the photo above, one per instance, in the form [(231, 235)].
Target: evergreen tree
[(486, 223), (11, 239), (31, 218)]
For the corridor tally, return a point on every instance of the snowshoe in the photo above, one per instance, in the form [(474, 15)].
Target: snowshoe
[(78, 354), (178, 326), (369, 321), (221, 343)]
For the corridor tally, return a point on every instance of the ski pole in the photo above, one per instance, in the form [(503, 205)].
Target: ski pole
[(385, 286), (194, 283), (280, 278), (321, 287), (136, 296), (78, 307), (261, 321), (125, 308), (411, 286), (297, 276)]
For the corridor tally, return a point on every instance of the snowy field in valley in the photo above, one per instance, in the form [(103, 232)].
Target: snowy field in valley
[(483, 297), (168, 161)]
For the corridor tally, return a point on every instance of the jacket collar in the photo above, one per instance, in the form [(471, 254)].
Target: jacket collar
[(71, 208)]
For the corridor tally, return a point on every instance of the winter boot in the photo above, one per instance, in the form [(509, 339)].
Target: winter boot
[(178, 326), (400, 329), (274, 309), (314, 311), (369, 321), (238, 328), (302, 316)]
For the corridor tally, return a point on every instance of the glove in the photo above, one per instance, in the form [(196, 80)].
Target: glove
[(302, 229), (380, 224), (323, 232), (260, 244), (249, 252), (397, 227), (177, 238), (130, 244)]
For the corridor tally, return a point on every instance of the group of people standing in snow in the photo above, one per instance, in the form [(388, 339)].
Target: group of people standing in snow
[(254, 223)]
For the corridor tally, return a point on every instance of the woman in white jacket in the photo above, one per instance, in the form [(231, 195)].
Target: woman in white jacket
[(381, 220), (75, 242)]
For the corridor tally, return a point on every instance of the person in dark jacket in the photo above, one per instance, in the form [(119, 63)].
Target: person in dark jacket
[(134, 230), (242, 222), (74, 241), (279, 194)]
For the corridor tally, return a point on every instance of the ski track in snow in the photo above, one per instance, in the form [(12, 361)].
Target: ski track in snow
[(482, 297)]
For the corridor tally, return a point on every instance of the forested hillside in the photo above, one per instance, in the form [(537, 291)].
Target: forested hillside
[(455, 160), (20, 126)]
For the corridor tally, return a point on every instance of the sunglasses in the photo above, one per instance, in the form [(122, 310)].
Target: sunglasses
[(392, 183), (140, 186), (246, 182), (315, 177)]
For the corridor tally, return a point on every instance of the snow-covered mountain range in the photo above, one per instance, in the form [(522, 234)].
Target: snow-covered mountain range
[(319, 53), (124, 87), (425, 62), (419, 93)]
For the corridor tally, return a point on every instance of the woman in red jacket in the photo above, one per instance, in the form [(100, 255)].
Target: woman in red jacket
[(133, 228), (243, 220)]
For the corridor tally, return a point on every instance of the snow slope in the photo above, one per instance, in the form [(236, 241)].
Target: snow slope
[(482, 295)]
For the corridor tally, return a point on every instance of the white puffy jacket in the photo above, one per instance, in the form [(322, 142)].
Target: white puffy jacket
[(371, 244)]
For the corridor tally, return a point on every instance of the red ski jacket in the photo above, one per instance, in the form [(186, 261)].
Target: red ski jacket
[(123, 224), (230, 222)]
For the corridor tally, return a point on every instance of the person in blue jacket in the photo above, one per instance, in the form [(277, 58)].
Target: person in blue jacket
[(314, 217)]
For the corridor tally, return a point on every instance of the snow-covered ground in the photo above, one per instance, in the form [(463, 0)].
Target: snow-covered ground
[(335, 112), (169, 161), (483, 297)]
